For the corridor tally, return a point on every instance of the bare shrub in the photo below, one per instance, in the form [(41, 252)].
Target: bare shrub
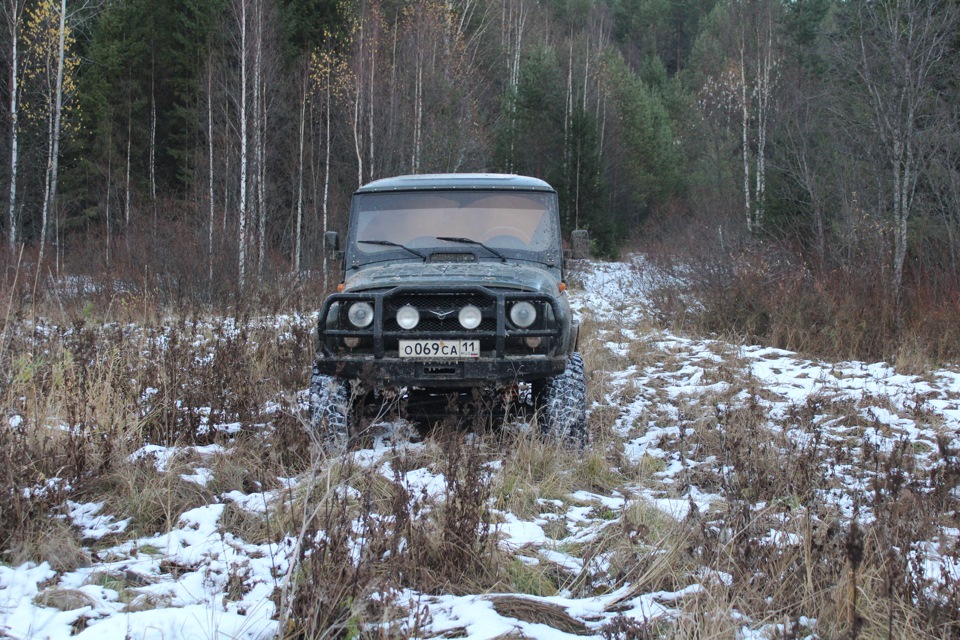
[(766, 291), (357, 548), (328, 591)]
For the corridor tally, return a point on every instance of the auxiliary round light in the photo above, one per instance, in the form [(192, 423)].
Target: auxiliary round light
[(533, 342), (470, 317), (408, 317), (523, 314), (360, 314), (352, 342)]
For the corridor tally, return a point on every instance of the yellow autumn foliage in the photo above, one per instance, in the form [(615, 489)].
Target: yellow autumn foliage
[(41, 46)]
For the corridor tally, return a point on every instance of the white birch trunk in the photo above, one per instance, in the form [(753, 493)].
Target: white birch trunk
[(258, 128), (53, 146), (109, 195), (126, 187), (210, 194), (515, 69), (226, 167), (899, 230), (299, 221), (14, 10), (373, 69), (586, 75), (57, 124), (601, 106), (903, 192), (356, 112), (568, 111), (518, 46), (242, 263), (153, 143), (764, 89), (326, 177), (745, 125), (262, 186), (45, 209), (418, 114)]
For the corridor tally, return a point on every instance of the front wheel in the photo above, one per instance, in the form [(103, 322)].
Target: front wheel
[(330, 411), (561, 404)]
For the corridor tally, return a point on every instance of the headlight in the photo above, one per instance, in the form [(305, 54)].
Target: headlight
[(408, 317), (360, 314), (523, 314), (333, 316), (470, 317)]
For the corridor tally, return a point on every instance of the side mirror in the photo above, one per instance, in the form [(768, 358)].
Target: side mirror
[(580, 243), (331, 241)]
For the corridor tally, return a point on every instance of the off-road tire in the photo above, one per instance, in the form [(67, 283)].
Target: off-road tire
[(330, 411), (561, 404)]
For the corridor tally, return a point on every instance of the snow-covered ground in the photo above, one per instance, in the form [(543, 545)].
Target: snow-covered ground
[(644, 380)]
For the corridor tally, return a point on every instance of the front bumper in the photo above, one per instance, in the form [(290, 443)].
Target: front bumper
[(395, 372)]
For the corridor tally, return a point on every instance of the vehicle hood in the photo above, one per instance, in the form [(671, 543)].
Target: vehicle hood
[(510, 275)]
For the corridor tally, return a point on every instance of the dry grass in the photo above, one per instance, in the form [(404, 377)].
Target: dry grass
[(771, 294), (776, 548), (364, 536), (787, 552), (537, 612), (356, 550), (152, 500), (535, 469), (83, 394)]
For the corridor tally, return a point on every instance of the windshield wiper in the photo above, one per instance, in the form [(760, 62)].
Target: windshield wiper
[(502, 257), (389, 243)]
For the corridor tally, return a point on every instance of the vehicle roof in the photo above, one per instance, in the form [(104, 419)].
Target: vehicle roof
[(431, 181)]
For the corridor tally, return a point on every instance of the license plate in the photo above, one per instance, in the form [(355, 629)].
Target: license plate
[(433, 349)]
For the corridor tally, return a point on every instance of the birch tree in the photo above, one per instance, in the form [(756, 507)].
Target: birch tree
[(757, 61), (259, 114), (440, 89), (945, 179), (13, 14), (263, 53), (301, 140), (513, 26), (739, 58), (896, 55), (51, 66), (330, 80), (365, 38), (210, 168), (242, 205)]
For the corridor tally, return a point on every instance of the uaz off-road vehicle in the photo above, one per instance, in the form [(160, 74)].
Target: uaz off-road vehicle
[(452, 284)]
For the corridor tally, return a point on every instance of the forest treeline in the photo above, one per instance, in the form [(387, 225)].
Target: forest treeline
[(214, 141)]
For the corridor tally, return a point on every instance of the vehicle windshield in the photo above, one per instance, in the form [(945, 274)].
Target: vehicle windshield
[(516, 224)]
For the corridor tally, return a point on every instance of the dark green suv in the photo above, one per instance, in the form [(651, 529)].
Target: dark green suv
[(452, 284)]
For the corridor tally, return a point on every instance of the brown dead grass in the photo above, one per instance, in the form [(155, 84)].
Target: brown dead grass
[(94, 378), (539, 612), (769, 293)]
